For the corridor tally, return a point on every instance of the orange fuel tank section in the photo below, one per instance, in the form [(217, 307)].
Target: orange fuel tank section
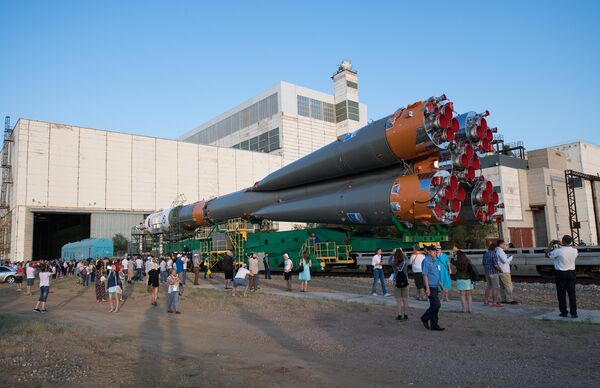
[(421, 128), (409, 199)]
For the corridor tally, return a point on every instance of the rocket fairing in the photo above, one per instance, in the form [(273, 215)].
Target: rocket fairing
[(417, 165)]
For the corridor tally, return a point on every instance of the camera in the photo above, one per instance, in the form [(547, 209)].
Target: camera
[(555, 244)]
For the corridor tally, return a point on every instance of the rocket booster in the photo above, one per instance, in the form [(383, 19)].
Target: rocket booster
[(416, 131), (417, 165)]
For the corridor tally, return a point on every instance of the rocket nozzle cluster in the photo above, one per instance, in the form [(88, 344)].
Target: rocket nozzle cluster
[(439, 121), (475, 130), (446, 196), (484, 200)]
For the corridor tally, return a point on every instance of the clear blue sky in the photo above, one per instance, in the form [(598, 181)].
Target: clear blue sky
[(162, 68)]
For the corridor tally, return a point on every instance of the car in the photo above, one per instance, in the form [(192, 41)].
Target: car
[(7, 274)]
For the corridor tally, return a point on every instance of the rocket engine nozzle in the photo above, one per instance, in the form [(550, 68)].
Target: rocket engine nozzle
[(484, 200), (473, 128)]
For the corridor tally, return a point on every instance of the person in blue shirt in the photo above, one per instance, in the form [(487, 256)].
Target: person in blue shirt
[(433, 285), (444, 263), (179, 267)]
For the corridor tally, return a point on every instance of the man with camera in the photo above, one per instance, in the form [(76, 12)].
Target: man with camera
[(564, 256)]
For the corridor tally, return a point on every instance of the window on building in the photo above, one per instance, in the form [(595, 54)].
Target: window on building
[(266, 142), (316, 109), (341, 112), (352, 85), (353, 110), (261, 110), (303, 107), (328, 114)]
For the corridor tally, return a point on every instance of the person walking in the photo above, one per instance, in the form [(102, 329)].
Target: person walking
[(112, 285), (139, 269), (564, 257), (44, 275), (463, 280), (492, 270), (400, 265), (304, 274), (253, 267), (416, 261), (378, 274), (173, 282), (506, 286), (228, 269), (431, 278), (153, 282), (30, 273), (100, 282), (288, 266), (442, 260), (267, 266), (196, 268)]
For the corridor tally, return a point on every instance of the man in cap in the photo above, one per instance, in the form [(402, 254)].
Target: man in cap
[(431, 278)]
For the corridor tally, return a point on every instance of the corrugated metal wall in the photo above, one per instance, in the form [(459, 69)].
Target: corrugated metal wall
[(108, 224)]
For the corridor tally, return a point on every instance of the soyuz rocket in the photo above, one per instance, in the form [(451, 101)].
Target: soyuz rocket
[(417, 165)]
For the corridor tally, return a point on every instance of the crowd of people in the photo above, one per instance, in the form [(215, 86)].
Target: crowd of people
[(432, 271)]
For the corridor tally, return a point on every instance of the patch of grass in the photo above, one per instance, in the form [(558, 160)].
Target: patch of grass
[(16, 329), (567, 329)]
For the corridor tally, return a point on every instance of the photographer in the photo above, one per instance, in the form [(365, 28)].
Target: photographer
[(564, 256)]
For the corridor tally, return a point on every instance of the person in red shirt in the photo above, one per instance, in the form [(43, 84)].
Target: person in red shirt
[(19, 277)]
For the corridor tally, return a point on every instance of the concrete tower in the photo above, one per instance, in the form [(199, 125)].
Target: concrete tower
[(345, 90)]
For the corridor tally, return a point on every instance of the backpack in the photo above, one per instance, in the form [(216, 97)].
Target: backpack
[(473, 273), (84, 271), (401, 278)]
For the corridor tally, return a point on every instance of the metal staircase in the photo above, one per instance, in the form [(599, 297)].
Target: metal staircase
[(6, 189)]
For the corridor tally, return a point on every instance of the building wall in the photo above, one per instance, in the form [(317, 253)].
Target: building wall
[(62, 167), (584, 157), (108, 224), (515, 197)]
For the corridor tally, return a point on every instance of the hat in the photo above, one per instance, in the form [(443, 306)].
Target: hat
[(285, 255), (179, 255), (438, 246), (430, 247)]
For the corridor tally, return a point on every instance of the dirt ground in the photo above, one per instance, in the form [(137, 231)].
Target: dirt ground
[(272, 341)]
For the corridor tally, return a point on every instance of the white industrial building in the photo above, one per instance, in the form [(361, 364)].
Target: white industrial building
[(288, 120), (533, 189), (63, 183), (106, 182)]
